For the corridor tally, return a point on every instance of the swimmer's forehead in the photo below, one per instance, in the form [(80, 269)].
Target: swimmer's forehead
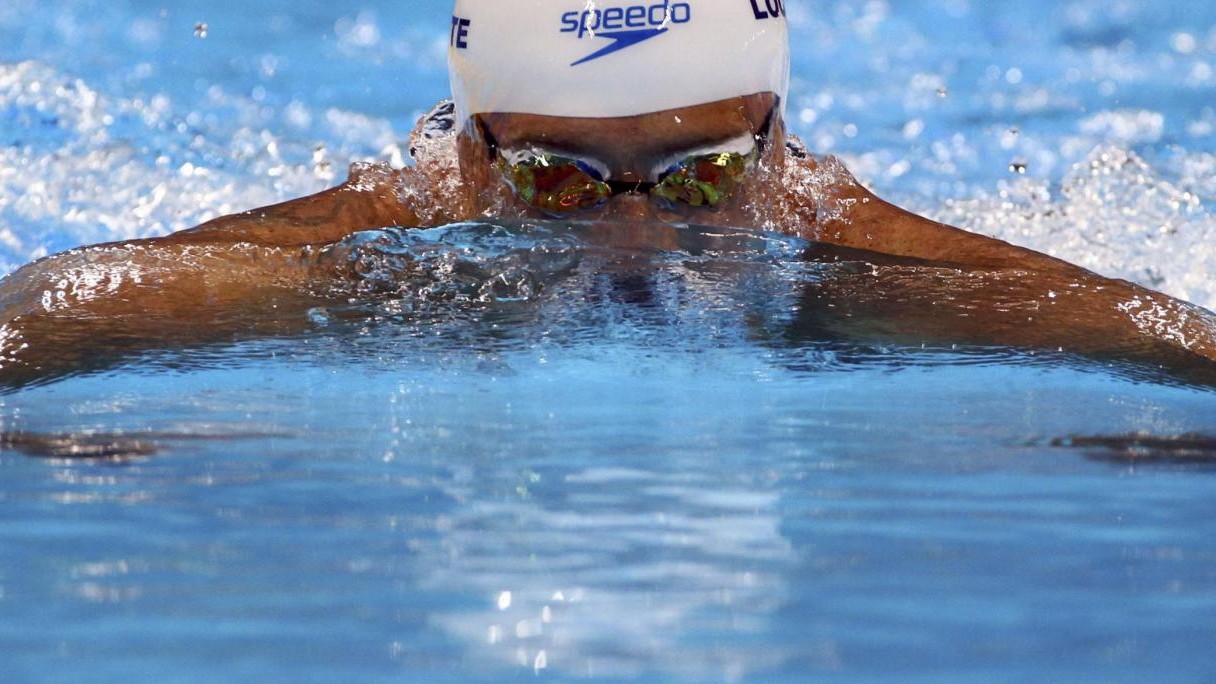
[(613, 58), (653, 133)]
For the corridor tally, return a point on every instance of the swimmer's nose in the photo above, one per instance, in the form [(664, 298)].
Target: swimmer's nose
[(631, 206)]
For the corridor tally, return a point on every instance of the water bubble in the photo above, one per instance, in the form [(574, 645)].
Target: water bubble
[(1183, 43), (321, 166), (200, 29), (359, 33), (1009, 139)]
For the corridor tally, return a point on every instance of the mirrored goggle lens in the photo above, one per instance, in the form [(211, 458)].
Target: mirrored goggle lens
[(555, 184), (704, 180)]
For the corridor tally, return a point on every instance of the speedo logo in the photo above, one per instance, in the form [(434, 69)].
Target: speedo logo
[(624, 26)]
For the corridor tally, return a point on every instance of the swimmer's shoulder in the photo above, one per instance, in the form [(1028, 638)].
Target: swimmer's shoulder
[(850, 215), (368, 199)]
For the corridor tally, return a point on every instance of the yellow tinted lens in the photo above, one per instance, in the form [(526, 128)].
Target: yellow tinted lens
[(705, 180), (555, 185)]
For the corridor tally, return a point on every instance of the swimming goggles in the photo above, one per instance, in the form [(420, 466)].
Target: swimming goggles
[(560, 185)]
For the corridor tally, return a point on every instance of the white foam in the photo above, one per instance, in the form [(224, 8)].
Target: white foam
[(82, 167), (1113, 214)]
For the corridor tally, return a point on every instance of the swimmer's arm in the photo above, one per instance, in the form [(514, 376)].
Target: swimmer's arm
[(237, 277), (370, 198), (1079, 313), (983, 291), (92, 307)]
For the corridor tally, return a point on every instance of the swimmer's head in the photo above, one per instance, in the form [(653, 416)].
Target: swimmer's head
[(629, 91)]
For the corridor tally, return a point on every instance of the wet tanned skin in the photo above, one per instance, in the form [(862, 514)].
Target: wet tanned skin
[(920, 282)]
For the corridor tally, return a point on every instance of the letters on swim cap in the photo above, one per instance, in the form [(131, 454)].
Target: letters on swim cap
[(611, 58)]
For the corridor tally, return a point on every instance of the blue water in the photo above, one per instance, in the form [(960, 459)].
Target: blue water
[(645, 469)]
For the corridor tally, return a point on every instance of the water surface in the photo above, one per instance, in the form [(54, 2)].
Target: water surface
[(609, 463)]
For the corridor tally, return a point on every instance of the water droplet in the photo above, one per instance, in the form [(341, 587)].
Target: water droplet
[(1018, 167), (200, 29), (943, 91), (1183, 43)]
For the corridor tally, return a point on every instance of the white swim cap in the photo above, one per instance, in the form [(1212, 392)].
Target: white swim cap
[(609, 58)]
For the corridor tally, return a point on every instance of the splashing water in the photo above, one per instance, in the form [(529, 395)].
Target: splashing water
[(80, 167), (1112, 214)]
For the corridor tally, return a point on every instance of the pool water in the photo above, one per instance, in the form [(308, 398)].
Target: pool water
[(623, 464)]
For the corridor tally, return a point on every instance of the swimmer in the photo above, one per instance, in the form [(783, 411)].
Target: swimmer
[(635, 115)]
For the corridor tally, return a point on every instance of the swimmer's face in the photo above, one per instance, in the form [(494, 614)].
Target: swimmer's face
[(632, 153)]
